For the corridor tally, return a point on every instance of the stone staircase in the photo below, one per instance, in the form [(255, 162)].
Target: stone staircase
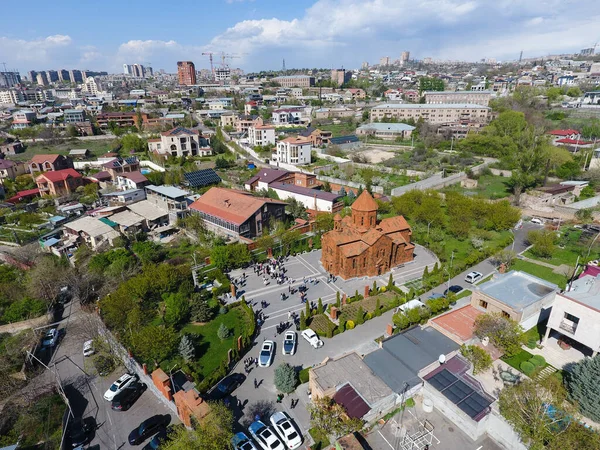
[(545, 373)]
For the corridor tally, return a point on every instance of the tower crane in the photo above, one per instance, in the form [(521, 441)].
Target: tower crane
[(210, 56)]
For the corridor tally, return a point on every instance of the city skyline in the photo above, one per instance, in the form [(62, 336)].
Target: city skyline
[(318, 33)]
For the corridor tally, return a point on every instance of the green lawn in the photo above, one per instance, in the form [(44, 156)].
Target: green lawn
[(488, 186), (516, 360), (338, 129), (210, 350), (545, 273), (97, 148), (320, 439), (567, 255), (463, 294)]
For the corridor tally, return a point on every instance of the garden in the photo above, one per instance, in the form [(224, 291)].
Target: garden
[(491, 187), (369, 177)]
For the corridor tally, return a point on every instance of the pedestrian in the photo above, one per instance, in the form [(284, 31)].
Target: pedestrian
[(289, 314)]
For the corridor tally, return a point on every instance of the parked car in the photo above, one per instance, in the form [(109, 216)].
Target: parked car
[(265, 437), (265, 358), (242, 442), (473, 277), (81, 431), (227, 385), (436, 295), (128, 396), (456, 289), (147, 428), (50, 338), (88, 348), (284, 426), (537, 221), (158, 439), (312, 338), (289, 343), (120, 384)]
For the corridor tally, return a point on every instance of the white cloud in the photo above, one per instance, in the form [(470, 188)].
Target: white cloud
[(39, 51)]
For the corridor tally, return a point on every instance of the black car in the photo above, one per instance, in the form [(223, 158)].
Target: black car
[(158, 439), (454, 289), (128, 396), (148, 428), (228, 385), (81, 431)]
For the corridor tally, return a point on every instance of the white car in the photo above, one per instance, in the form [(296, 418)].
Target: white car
[(286, 429), (537, 221), (265, 437), (118, 386), (312, 338), (88, 348), (473, 277), (289, 343), (265, 358)]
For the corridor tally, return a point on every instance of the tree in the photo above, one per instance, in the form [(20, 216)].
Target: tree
[(505, 257), (177, 309), (308, 311), (222, 163), (360, 316), (377, 311), (296, 209), (286, 378), (506, 334), (186, 348), (587, 192), (154, 343), (390, 284), (400, 320), (330, 418), (223, 332), (323, 223), (426, 273), (72, 131), (585, 215), (47, 277), (477, 356), (582, 384), (134, 142), (200, 309), (148, 251), (543, 242), (302, 320), (320, 306)]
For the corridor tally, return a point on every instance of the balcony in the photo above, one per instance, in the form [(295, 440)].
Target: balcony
[(568, 325)]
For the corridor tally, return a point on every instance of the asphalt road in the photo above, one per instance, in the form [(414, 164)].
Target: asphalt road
[(85, 390)]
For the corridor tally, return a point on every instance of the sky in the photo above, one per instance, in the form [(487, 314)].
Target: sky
[(104, 35)]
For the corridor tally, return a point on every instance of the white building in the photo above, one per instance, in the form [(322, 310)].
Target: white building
[(91, 86), (259, 135), (11, 96), (294, 150), (181, 142), (291, 115), (23, 118)]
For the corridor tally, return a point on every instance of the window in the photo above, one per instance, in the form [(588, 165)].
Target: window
[(362, 220), (572, 318), (483, 304), (505, 315), (354, 263)]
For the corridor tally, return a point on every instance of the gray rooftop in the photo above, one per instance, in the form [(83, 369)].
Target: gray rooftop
[(404, 355), (168, 191), (586, 290), (377, 126), (429, 106), (458, 92), (517, 289), (584, 204), (351, 369)]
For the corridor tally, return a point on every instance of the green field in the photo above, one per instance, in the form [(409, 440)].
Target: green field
[(338, 129), (559, 256), (545, 273), (488, 186), (97, 148)]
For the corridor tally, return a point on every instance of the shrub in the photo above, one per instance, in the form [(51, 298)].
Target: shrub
[(527, 368), (532, 343), (223, 310), (377, 311), (477, 356), (320, 306), (104, 365), (302, 321), (303, 375), (400, 320), (360, 316), (342, 326), (368, 316), (223, 332), (350, 325), (286, 378), (538, 360)]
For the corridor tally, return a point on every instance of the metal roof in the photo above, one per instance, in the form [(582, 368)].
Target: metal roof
[(168, 191), (378, 126), (344, 139), (429, 106)]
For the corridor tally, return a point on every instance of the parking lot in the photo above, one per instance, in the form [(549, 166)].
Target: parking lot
[(85, 391)]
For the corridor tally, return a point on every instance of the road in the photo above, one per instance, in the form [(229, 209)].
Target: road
[(85, 390)]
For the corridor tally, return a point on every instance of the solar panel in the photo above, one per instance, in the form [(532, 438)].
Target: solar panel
[(474, 404), (201, 178), (457, 392), (442, 380)]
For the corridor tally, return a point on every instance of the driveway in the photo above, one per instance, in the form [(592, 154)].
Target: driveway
[(85, 391)]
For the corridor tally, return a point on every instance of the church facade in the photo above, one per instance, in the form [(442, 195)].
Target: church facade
[(360, 246)]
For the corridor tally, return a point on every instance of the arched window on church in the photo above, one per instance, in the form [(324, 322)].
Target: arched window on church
[(362, 221)]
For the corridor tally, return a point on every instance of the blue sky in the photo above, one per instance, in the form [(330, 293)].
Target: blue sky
[(103, 35)]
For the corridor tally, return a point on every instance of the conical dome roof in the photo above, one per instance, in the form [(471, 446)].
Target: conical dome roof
[(365, 202)]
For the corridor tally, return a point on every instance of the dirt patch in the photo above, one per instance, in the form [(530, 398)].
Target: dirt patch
[(375, 155)]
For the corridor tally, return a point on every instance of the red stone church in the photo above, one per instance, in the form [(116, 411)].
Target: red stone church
[(359, 246)]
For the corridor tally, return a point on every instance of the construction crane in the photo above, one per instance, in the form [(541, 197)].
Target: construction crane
[(210, 56), (225, 56)]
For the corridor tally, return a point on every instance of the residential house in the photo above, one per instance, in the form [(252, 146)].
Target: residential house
[(9, 170), (128, 222), (524, 298), (11, 148), (23, 118), (354, 95), (124, 197), (393, 94), (48, 163), (181, 141), (80, 153), (564, 134), (229, 119), (59, 182), (131, 180), (97, 233), (290, 115), (260, 135), (317, 137), (24, 195), (576, 313), (314, 200), (264, 178), (169, 198), (246, 121), (73, 115), (294, 150), (118, 166), (237, 214), (386, 131)]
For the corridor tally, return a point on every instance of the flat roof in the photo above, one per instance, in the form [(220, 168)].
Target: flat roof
[(585, 290), (430, 106), (91, 226), (404, 355), (168, 191), (307, 192), (378, 126), (517, 289), (351, 369), (126, 218), (148, 210), (458, 92)]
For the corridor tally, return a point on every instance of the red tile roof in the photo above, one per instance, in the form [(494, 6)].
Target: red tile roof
[(60, 175), (573, 141), (135, 176), (23, 194), (296, 140), (232, 206), (365, 202), (44, 158), (567, 132)]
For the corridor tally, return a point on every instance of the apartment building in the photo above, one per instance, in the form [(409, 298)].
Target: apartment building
[(181, 141), (464, 114), (74, 115), (11, 96), (23, 118), (340, 76), (294, 150), (291, 81), (229, 119), (186, 73), (452, 97), (261, 135)]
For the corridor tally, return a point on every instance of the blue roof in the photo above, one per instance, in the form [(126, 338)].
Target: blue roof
[(377, 126), (256, 426), (344, 139), (56, 218), (50, 242)]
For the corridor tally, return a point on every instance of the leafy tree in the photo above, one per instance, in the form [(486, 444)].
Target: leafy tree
[(177, 309), (587, 192), (505, 257), (413, 315), (134, 142), (72, 131), (426, 273), (543, 242), (506, 334), (148, 251), (574, 92), (296, 209), (477, 356), (186, 348), (323, 223), (582, 384), (222, 163), (585, 215), (554, 94), (46, 278), (330, 418), (286, 378), (154, 343), (223, 332), (25, 308)]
